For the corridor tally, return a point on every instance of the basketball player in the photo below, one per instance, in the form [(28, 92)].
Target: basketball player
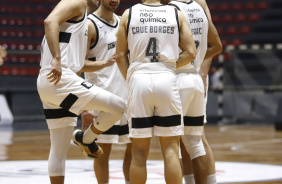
[(151, 33), (192, 92), (102, 29), (63, 93), (3, 53)]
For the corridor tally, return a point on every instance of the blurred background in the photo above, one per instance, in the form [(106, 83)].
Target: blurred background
[(245, 80)]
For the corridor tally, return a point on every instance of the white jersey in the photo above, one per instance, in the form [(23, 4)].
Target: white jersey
[(73, 45), (198, 24), (108, 78), (150, 28)]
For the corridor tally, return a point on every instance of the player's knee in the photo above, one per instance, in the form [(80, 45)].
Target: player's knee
[(194, 146), (56, 167), (119, 105)]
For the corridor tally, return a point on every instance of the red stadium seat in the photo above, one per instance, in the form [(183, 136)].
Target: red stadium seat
[(250, 6), (262, 5), (5, 70), (22, 71), (39, 33), (40, 10), (241, 18), (227, 56), (4, 32), (227, 18), (28, 22), (245, 30), (254, 17), (232, 31), (220, 30), (236, 42), (12, 58), (212, 7), (224, 7), (237, 6), (215, 19), (14, 70), (224, 42)]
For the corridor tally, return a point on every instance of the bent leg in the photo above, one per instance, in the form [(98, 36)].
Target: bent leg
[(140, 151), (101, 164), (111, 109), (170, 152), (60, 142)]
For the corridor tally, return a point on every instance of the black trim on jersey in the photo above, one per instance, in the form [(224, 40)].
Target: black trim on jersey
[(76, 21), (64, 37), (117, 130), (193, 121), (129, 19), (97, 34), (143, 122), (177, 20), (167, 121), (152, 5), (92, 59), (107, 22), (174, 5), (186, 2), (69, 101), (58, 113)]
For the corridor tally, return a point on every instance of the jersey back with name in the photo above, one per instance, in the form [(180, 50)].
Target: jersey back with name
[(73, 45), (108, 78), (198, 24), (153, 33)]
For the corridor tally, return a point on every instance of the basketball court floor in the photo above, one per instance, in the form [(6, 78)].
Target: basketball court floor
[(243, 153)]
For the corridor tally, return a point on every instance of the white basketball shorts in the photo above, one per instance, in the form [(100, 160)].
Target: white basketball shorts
[(154, 105), (191, 89), (64, 101)]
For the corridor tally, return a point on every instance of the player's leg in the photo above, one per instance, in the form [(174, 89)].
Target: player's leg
[(101, 164), (138, 169), (60, 142), (187, 167), (126, 162), (210, 161), (111, 109), (170, 152)]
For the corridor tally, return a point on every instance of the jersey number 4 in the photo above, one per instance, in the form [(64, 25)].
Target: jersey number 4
[(151, 50)]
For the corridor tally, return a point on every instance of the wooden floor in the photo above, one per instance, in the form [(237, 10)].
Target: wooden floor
[(252, 144)]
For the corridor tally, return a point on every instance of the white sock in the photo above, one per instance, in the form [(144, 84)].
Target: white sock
[(189, 179), (211, 179), (127, 182), (89, 136)]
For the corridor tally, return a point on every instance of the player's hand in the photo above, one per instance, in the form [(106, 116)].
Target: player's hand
[(87, 119), (111, 60), (204, 78), (56, 71)]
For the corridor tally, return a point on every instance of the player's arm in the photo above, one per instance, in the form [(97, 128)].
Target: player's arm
[(122, 45), (186, 43), (92, 66), (3, 53), (65, 10), (214, 43)]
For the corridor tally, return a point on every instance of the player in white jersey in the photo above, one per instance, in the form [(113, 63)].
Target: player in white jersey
[(102, 29), (62, 55), (151, 33), (191, 88)]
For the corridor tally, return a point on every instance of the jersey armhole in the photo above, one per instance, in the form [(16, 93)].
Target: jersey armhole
[(177, 20), (129, 18), (174, 6), (97, 34)]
